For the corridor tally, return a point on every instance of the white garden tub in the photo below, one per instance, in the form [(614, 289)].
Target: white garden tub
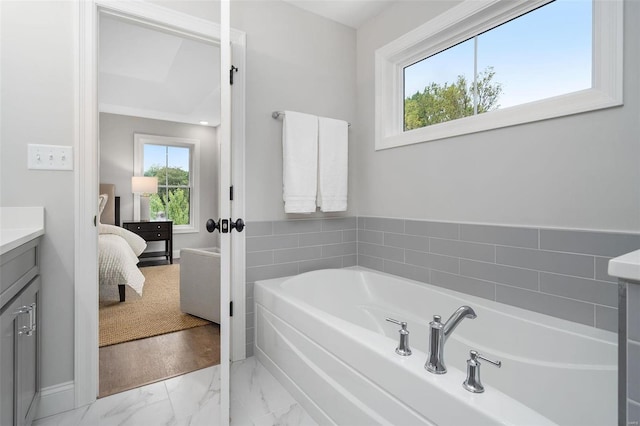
[(324, 335)]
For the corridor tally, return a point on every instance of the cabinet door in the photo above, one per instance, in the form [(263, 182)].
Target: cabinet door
[(27, 351), (8, 320)]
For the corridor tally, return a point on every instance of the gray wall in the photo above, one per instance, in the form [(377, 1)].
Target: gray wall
[(116, 166), (581, 171), (295, 61), (38, 107)]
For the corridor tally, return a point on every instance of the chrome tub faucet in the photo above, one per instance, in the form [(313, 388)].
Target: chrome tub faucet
[(473, 383), (438, 334), (403, 348)]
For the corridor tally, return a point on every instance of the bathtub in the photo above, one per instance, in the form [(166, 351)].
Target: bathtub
[(323, 334)]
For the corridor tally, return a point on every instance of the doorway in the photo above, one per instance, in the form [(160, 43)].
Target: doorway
[(87, 180), (159, 112)]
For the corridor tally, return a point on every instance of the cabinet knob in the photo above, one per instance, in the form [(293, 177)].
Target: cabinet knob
[(159, 235), (139, 227), (159, 226)]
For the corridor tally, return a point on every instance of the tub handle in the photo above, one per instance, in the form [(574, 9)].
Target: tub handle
[(403, 348), (473, 383)]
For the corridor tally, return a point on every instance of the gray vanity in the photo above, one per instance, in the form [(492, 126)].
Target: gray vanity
[(20, 342)]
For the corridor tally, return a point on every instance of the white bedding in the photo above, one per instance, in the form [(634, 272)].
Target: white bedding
[(118, 251)]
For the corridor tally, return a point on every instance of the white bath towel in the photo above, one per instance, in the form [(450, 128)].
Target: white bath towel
[(333, 168), (300, 162)]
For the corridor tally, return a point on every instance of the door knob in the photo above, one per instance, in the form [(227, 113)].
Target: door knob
[(238, 225), (212, 225)]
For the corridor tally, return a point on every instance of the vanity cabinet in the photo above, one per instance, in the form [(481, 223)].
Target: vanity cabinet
[(19, 334)]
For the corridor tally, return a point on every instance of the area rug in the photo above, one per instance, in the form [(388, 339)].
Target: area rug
[(156, 312)]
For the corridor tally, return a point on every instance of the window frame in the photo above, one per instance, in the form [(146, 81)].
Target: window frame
[(471, 18), (140, 140)]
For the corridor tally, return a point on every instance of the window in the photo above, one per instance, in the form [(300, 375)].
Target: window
[(173, 161), (486, 64)]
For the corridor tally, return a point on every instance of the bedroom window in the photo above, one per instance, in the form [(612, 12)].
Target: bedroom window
[(486, 64), (174, 162)]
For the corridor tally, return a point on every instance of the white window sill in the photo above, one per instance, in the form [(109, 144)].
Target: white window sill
[(184, 229), (573, 103)]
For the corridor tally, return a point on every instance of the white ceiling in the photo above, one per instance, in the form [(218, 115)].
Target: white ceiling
[(149, 73), (352, 13)]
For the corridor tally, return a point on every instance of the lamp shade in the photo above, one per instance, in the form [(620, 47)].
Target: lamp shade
[(144, 185)]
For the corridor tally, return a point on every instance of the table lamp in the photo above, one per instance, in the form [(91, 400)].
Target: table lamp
[(144, 186)]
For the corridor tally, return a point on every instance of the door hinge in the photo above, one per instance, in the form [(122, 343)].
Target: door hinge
[(233, 68), (231, 308), (231, 193)]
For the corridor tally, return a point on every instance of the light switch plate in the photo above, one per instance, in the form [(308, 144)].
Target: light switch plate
[(50, 157)]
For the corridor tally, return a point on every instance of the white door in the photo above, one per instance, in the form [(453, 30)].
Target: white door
[(225, 209), (231, 225)]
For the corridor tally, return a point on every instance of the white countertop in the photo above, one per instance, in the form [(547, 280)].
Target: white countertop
[(19, 225), (626, 266)]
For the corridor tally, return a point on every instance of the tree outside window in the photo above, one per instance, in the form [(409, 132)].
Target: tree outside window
[(171, 165)]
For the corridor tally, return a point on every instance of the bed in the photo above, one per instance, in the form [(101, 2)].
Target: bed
[(118, 248)]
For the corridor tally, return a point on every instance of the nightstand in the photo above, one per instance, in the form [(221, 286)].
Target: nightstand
[(154, 231)]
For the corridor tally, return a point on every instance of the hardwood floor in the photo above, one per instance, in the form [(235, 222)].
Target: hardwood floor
[(133, 364)]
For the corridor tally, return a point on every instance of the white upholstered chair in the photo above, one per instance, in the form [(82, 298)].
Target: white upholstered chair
[(200, 283)]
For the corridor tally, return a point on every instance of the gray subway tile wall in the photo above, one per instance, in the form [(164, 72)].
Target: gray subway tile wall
[(606, 318), (515, 277), (610, 244), (602, 270), (506, 236), (549, 261), (557, 272)]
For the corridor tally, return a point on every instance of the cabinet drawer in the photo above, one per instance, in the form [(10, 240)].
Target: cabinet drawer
[(17, 268), (154, 236), (147, 226)]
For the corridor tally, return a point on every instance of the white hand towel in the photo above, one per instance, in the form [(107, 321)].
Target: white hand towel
[(300, 162), (333, 167)]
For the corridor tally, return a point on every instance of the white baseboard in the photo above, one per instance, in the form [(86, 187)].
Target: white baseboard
[(56, 399), (176, 254)]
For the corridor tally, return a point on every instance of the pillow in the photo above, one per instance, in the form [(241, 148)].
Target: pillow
[(137, 243), (102, 202)]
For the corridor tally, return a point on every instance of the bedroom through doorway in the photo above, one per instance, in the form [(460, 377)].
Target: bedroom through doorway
[(159, 112)]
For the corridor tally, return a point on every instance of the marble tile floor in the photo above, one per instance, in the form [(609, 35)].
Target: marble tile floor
[(257, 399)]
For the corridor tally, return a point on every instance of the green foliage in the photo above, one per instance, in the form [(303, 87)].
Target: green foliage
[(157, 206), (176, 175), (178, 207), (440, 103), (174, 203)]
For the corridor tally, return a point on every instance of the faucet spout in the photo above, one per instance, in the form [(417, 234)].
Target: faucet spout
[(456, 318), (438, 334)]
